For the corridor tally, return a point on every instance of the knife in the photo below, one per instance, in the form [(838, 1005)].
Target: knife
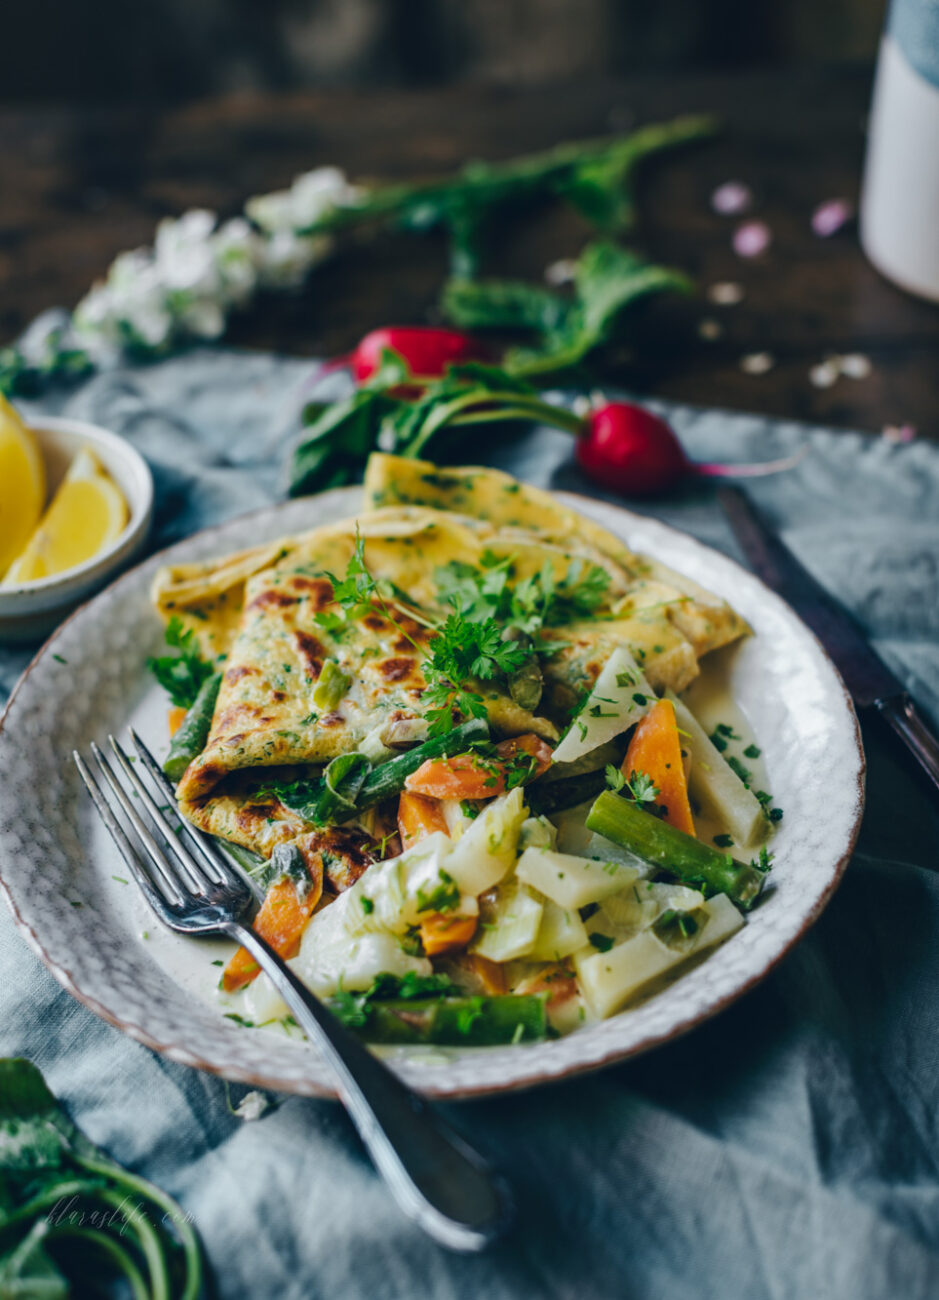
[(871, 683)]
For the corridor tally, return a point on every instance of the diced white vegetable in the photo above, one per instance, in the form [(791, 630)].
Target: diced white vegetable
[(487, 850), (330, 955), (454, 816), (374, 748), (260, 1002), (608, 980), (624, 914), (715, 787), (561, 933), (571, 823), (620, 697), (510, 923), (597, 758), (598, 846), (571, 881), (537, 833)]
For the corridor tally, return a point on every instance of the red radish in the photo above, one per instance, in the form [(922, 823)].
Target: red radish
[(628, 449), (426, 350)]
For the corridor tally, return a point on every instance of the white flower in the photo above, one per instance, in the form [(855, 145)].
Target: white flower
[(202, 318), (182, 253), (311, 196), (288, 257), (238, 252)]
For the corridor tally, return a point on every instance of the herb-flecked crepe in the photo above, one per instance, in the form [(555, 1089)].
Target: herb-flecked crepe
[(265, 616)]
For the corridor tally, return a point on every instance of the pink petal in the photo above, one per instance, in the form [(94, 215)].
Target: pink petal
[(899, 432), (831, 216), (752, 238), (732, 198)]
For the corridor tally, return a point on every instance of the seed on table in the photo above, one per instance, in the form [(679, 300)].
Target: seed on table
[(726, 293), (710, 329), (855, 365), (824, 374), (757, 363)]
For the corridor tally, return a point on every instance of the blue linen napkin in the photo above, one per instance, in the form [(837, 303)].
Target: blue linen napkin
[(787, 1149)]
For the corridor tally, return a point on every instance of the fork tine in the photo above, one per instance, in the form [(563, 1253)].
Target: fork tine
[(217, 864), (153, 850), (189, 868), (124, 846)]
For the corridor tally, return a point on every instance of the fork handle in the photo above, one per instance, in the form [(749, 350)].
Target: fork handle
[(435, 1177)]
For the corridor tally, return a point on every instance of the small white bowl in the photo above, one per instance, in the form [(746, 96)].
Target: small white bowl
[(29, 611)]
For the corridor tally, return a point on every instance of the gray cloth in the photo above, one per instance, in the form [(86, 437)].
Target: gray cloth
[(787, 1149)]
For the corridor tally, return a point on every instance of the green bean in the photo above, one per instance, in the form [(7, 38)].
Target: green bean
[(554, 796), (337, 795), (189, 740), (662, 845), (454, 1021)]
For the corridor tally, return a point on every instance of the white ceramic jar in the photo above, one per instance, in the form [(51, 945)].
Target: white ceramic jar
[(899, 216)]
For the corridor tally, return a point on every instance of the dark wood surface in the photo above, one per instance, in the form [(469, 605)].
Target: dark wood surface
[(80, 185)]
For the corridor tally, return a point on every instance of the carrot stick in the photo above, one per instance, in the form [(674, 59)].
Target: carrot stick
[(281, 921), (418, 817), (175, 718), (655, 749), (441, 933), (476, 776)]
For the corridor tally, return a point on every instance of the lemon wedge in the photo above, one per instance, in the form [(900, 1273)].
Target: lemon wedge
[(87, 514), (22, 484)]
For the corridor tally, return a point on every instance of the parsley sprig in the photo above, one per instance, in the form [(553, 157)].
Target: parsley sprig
[(460, 652), (181, 674), (639, 786), (464, 649), (536, 602)]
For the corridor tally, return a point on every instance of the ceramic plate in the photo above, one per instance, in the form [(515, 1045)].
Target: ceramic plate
[(63, 879)]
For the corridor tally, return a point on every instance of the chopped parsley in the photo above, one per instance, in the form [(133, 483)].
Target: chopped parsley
[(723, 841), (444, 897), (180, 675), (602, 942), (764, 862), (353, 1009), (367, 905)]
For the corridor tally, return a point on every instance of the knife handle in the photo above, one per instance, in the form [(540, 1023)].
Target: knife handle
[(911, 727)]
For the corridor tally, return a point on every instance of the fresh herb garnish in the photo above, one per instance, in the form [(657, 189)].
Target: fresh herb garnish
[(602, 942), (764, 862), (723, 841), (353, 1008), (72, 1219), (182, 674), (443, 897)]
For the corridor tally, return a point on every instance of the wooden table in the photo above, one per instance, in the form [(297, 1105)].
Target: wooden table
[(78, 186)]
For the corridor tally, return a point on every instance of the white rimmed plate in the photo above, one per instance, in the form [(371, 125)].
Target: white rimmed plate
[(64, 881)]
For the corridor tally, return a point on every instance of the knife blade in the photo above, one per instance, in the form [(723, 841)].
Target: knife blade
[(871, 683)]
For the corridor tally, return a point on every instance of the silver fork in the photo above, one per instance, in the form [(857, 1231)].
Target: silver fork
[(436, 1178)]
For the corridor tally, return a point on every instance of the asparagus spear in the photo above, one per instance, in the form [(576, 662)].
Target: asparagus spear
[(451, 1022), (189, 740), (318, 801), (554, 796), (664, 846)]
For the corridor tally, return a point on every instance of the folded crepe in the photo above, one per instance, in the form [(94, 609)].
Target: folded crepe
[(266, 616)]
